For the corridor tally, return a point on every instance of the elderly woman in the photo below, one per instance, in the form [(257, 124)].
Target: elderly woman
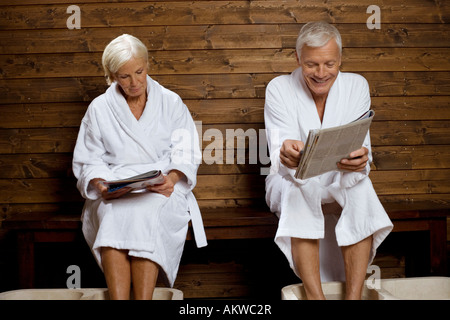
[(335, 209), (136, 126)]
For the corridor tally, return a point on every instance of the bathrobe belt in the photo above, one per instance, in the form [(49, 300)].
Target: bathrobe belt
[(197, 222)]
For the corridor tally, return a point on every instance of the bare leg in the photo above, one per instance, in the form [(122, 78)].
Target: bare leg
[(116, 267), (305, 253), (144, 274), (356, 260)]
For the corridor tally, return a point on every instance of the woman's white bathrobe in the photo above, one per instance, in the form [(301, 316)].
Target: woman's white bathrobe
[(111, 145), (290, 113)]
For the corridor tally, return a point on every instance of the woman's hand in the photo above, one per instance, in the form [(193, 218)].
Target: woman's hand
[(103, 190), (167, 186), (290, 153), (357, 162)]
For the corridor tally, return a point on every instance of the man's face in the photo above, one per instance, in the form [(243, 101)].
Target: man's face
[(320, 67)]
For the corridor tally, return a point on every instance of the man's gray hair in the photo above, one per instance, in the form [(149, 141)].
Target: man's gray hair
[(317, 34), (119, 51)]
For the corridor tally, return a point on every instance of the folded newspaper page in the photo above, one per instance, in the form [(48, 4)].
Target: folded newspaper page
[(324, 148), (136, 182)]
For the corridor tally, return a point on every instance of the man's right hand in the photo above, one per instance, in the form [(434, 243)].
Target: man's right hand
[(290, 153)]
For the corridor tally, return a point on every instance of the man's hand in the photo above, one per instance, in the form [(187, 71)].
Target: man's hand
[(357, 162), (290, 153)]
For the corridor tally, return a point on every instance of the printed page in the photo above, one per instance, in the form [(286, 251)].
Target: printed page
[(136, 182), (332, 145)]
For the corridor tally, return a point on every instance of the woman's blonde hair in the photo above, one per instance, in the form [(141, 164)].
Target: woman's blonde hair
[(119, 51)]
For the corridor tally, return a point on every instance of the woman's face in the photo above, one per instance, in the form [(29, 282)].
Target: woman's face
[(320, 67), (132, 77)]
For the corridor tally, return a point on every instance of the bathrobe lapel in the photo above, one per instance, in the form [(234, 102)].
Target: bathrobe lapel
[(131, 126), (308, 118)]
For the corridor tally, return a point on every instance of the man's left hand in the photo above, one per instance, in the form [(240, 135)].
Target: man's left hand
[(357, 160)]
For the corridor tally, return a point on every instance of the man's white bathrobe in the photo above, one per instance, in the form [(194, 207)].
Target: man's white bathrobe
[(113, 144), (290, 113)]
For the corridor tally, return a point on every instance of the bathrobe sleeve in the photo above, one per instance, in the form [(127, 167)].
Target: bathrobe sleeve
[(89, 150), (361, 94), (279, 119), (185, 149), (356, 88)]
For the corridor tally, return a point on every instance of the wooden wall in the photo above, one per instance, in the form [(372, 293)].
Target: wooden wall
[(219, 56)]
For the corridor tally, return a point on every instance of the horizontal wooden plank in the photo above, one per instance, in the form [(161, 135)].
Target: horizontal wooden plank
[(207, 37), (161, 63), (227, 137), (389, 36), (392, 203), (64, 190), (39, 115), (212, 218), (413, 83), (213, 12), (411, 108), (216, 111), (411, 181), (59, 165), (32, 165), (410, 132), (213, 86), (224, 61), (411, 157), (31, 140), (12, 209), (39, 190), (243, 186)]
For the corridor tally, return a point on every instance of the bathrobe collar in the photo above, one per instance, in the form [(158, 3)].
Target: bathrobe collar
[(118, 105), (308, 116)]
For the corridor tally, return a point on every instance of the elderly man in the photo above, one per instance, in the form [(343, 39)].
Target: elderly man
[(338, 208)]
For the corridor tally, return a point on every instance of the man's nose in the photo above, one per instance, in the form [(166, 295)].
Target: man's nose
[(320, 71)]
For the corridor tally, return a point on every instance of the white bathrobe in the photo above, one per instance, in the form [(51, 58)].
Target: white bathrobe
[(113, 144), (290, 113)]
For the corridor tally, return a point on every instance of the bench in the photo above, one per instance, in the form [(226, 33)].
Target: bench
[(219, 59), (222, 223), (44, 227)]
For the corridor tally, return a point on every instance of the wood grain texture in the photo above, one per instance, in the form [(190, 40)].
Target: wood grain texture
[(219, 57)]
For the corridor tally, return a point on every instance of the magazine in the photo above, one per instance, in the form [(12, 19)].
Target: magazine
[(324, 148), (136, 182)]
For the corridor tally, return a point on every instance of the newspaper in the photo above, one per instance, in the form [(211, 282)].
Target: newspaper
[(324, 148), (137, 182)]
